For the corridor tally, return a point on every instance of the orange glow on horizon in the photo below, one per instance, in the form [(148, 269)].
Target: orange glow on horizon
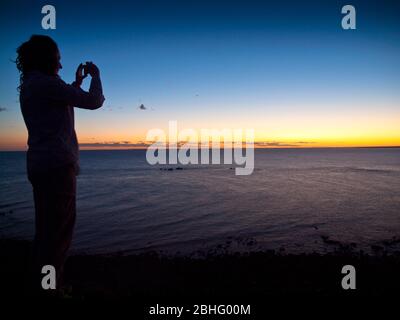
[(20, 145), (291, 131)]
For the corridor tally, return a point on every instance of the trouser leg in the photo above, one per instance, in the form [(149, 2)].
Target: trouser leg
[(55, 214)]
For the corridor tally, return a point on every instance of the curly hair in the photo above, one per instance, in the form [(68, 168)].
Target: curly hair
[(38, 53)]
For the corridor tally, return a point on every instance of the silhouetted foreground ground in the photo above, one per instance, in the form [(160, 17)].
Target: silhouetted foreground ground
[(235, 275)]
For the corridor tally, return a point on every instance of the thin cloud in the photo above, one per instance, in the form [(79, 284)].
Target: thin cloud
[(281, 144), (145, 144), (305, 142), (114, 144)]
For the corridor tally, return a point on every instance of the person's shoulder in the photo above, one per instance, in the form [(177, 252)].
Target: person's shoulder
[(38, 84), (40, 77)]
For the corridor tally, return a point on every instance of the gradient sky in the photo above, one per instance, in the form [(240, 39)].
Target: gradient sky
[(286, 69)]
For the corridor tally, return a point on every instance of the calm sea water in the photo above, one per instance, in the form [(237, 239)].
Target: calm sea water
[(296, 199)]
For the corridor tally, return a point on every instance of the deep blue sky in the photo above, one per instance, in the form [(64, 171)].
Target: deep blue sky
[(218, 63)]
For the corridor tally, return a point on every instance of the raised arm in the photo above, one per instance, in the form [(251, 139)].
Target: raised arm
[(73, 95)]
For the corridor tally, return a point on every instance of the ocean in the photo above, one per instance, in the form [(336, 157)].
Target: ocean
[(296, 201)]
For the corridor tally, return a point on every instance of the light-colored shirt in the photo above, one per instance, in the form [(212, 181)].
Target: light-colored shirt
[(47, 105)]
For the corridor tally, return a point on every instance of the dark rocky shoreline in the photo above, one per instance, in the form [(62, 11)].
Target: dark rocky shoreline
[(255, 274)]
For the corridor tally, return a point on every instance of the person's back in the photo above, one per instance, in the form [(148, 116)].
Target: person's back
[(51, 135)]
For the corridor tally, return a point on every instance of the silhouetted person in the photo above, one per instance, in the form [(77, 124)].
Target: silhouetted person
[(47, 105)]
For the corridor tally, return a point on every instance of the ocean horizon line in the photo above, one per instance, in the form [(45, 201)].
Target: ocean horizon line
[(117, 148)]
